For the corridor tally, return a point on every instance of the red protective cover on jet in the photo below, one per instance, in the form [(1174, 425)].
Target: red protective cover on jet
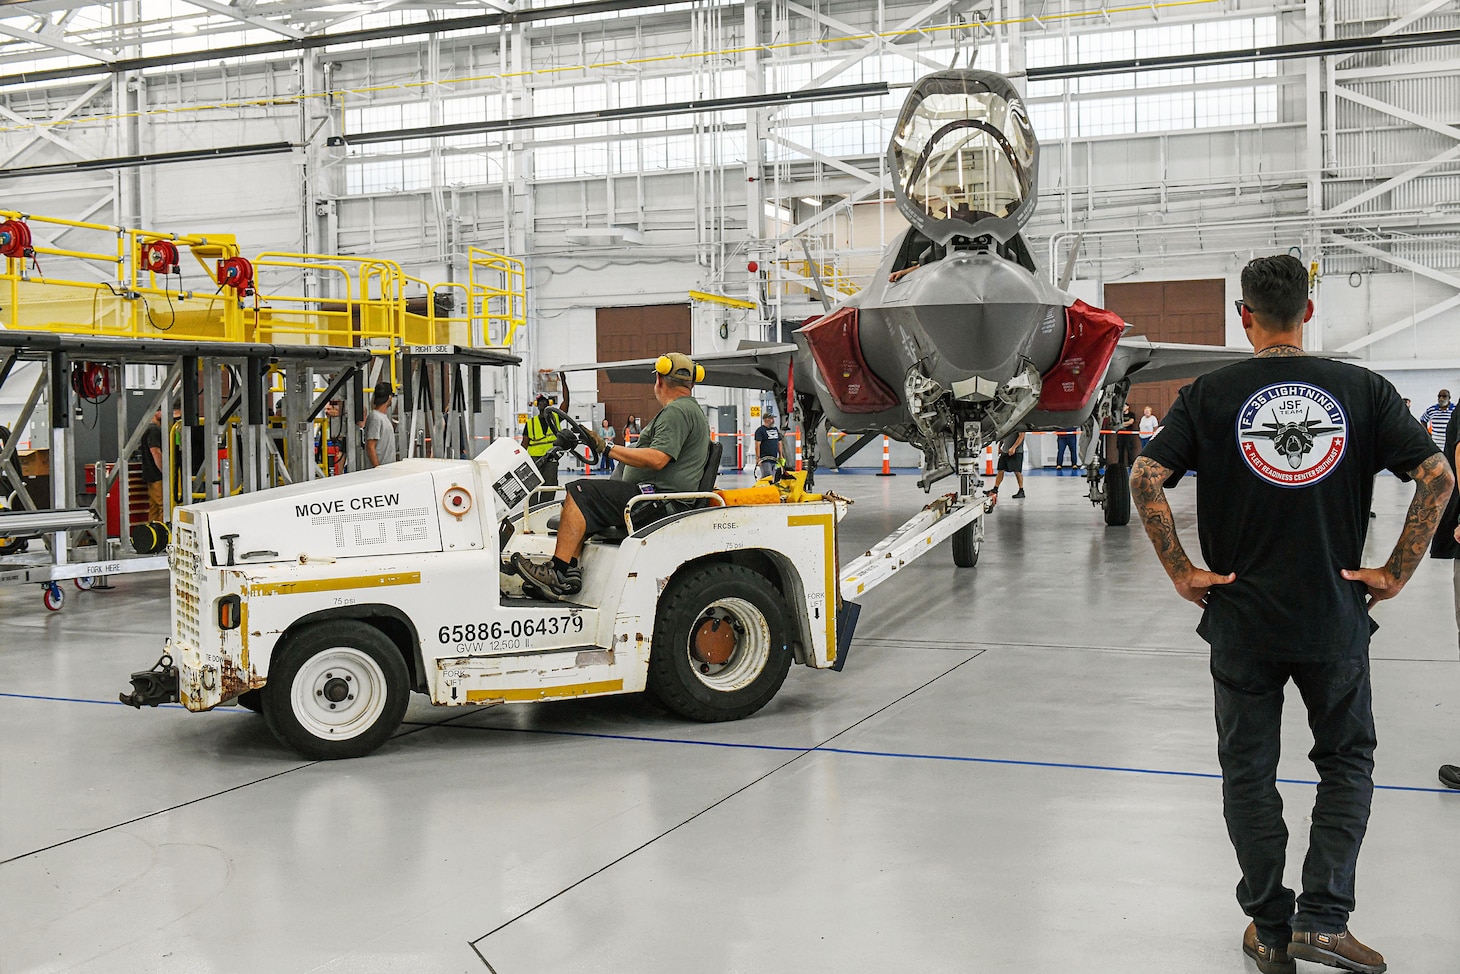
[(838, 354), (1091, 335)]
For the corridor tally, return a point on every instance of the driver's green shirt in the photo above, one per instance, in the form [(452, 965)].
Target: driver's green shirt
[(680, 430)]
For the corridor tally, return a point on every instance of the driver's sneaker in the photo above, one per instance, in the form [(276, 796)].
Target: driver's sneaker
[(553, 583), (1270, 960), (1341, 950), (1450, 776)]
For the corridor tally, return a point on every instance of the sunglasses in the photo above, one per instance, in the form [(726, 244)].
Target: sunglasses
[(1242, 306)]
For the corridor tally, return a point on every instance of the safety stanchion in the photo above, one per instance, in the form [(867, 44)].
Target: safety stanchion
[(739, 449), (887, 458), (988, 460), (798, 449)]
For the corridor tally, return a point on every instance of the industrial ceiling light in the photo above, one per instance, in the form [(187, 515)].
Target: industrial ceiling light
[(769, 100), (811, 200)]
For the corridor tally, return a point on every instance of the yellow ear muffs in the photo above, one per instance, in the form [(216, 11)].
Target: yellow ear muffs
[(699, 373), (663, 365)]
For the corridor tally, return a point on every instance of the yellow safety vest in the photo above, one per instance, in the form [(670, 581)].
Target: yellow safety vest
[(540, 438)]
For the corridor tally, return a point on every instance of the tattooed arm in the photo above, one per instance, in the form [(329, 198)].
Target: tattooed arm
[(1432, 485), (1192, 583)]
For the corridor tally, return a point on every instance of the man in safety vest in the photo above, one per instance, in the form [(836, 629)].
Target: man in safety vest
[(538, 436)]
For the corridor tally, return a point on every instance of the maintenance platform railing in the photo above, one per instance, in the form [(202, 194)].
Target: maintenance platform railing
[(129, 283)]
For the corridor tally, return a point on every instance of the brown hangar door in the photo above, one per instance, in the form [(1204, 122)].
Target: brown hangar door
[(1190, 312), (630, 333)]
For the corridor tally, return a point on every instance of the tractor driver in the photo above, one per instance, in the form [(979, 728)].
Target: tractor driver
[(669, 457)]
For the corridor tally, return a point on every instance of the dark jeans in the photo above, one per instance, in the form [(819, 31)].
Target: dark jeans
[(1249, 705), (1065, 442)]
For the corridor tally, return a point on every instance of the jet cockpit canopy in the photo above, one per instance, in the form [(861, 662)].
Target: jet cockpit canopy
[(964, 156)]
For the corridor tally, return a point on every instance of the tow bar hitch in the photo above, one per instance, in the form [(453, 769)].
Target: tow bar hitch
[(154, 686)]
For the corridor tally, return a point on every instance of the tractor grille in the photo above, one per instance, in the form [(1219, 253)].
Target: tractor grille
[(187, 595)]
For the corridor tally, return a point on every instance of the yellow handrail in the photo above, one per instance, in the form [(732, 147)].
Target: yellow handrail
[(366, 304)]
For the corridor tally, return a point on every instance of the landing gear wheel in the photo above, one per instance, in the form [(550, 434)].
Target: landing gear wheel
[(967, 543), (53, 597), (337, 690), (252, 700), (1117, 495), (84, 584), (721, 650)]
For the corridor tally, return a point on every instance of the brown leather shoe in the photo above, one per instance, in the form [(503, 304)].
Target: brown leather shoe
[(1341, 950), (1270, 960)]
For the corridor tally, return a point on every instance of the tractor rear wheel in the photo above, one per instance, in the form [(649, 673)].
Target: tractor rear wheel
[(721, 648)]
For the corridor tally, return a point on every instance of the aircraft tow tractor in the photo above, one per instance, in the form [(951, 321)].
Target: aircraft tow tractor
[(324, 604)]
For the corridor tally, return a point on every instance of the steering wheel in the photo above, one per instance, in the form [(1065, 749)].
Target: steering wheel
[(581, 433)]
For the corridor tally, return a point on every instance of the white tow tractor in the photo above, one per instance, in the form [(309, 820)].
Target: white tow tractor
[(324, 604)]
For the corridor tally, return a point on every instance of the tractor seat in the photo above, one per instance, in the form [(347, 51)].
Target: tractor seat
[(618, 532)]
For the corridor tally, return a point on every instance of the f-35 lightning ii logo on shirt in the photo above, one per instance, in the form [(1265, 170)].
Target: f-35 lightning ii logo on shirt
[(1292, 434)]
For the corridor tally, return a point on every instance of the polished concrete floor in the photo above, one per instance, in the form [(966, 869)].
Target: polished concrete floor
[(1015, 772)]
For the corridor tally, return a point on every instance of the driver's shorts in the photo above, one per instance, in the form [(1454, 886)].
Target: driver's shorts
[(602, 501)]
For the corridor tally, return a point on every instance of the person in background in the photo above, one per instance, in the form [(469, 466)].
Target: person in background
[(1011, 459), (539, 434), (770, 445), (1149, 425), (1282, 528), (1067, 440), (632, 427), (1447, 545), (1127, 445), (1436, 418), (606, 430), (330, 449), (379, 430), (152, 466)]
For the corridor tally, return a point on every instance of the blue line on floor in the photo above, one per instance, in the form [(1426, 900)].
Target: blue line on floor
[(853, 752), (118, 703), (937, 757)]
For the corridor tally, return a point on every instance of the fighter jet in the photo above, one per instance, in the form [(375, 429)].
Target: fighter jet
[(1293, 440), (958, 340)]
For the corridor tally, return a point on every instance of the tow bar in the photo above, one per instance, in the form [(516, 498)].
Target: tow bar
[(155, 686)]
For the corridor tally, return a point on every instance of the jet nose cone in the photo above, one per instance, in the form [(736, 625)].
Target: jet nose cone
[(983, 314)]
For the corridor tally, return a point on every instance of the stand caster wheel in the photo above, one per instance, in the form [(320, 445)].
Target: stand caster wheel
[(84, 584), (53, 597)]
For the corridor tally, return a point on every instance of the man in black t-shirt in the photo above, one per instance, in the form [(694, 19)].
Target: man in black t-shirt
[(1287, 446), (768, 446)]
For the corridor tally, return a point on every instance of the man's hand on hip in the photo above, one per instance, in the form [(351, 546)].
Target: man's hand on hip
[(1198, 582), (1380, 582)]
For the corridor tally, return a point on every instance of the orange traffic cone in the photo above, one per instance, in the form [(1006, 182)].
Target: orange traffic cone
[(988, 461), (886, 458)]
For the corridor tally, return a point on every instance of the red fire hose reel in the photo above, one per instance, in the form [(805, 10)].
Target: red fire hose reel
[(161, 257), (91, 380), (15, 240), (237, 273)]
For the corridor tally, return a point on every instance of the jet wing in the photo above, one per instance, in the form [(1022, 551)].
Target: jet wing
[(759, 366), (1143, 360)]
